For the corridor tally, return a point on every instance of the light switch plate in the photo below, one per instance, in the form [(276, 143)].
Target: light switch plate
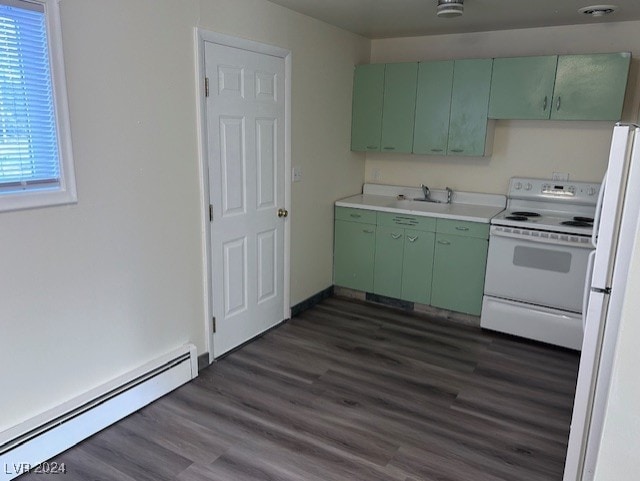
[(296, 174)]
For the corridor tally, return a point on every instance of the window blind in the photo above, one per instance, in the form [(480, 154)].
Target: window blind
[(29, 157)]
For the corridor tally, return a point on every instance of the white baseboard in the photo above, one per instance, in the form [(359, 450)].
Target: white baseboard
[(39, 439)]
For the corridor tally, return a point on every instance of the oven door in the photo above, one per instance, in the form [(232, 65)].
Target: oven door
[(536, 270)]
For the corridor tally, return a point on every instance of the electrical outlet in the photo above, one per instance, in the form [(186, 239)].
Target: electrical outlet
[(297, 174), (560, 176), (375, 174)]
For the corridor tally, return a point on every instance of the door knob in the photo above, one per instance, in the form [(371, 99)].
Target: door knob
[(283, 212)]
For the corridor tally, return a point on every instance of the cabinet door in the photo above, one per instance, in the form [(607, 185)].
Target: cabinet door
[(522, 87), (354, 249), (590, 87), (417, 267), (399, 106), (388, 261), (366, 115), (469, 107), (458, 273), (433, 106)]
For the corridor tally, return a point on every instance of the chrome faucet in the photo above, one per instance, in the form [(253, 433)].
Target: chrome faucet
[(449, 195), (426, 192)]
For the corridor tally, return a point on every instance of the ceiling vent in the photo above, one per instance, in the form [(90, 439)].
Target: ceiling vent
[(598, 10), (450, 8)]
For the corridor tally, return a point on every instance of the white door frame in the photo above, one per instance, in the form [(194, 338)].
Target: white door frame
[(202, 36)]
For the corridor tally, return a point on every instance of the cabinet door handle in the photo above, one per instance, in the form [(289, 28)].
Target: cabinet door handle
[(396, 236), (355, 216), (558, 103), (444, 242), (367, 231), (389, 148), (412, 239), (462, 228), (456, 150), (544, 104), (436, 150), (372, 147)]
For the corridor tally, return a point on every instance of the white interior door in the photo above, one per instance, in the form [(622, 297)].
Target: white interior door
[(245, 129)]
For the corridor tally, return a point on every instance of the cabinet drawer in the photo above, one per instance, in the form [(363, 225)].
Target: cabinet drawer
[(356, 215), (458, 227), (417, 222)]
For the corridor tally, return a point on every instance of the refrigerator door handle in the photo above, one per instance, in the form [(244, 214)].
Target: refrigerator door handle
[(596, 221), (587, 289)]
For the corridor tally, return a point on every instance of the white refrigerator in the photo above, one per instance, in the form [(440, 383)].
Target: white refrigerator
[(614, 238)]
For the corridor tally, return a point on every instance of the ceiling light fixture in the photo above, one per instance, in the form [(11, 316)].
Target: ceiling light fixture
[(450, 8), (598, 10)]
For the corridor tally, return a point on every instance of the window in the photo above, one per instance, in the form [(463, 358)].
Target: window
[(36, 167)]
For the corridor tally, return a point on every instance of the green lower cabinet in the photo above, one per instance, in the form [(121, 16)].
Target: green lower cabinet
[(387, 277), (458, 273), (354, 250), (417, 266)]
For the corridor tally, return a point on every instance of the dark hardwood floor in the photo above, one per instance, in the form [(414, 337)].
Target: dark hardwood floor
[(348, 391)]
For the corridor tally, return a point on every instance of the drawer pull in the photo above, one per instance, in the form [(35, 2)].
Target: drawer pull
[(558, 103), (457, 150), (444, 242), (372, 147), (436, 150), (367, 231), (462, 228), (396, 236), (389, 148), (355, 216), (412, 239)]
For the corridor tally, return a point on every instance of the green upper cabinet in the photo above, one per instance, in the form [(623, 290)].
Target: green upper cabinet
[(590, 87), (451, 110), (398, 113), (522, 87), (433, 105), (469, 107), (565, 87), (366, 116)]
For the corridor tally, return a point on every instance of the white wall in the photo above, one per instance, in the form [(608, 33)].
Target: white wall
[(523, 148), (89, 291)]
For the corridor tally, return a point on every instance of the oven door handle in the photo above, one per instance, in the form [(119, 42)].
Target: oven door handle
[(587, 289)]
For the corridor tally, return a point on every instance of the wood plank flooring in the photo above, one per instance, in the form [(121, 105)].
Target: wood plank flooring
[(349, 391)]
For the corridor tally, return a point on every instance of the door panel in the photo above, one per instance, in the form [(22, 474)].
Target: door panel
[(354, 254), (387, 279), (245, 112), (433, 106), (366, 120), (398, 112), (469, 107), (417, 270), (522, 87), (590, 87)]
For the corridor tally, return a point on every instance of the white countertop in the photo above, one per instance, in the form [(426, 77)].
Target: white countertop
[(466, 206)]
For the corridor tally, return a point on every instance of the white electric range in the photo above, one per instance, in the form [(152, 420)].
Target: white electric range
[(537, 262)]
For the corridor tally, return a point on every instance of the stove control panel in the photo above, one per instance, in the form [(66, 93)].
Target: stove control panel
[(580, 193)]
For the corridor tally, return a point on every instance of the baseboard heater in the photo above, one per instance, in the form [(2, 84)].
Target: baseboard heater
[(36, 440)]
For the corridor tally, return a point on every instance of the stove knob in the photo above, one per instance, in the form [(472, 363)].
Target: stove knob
[(518, 185), (591, 191), (528, 186)]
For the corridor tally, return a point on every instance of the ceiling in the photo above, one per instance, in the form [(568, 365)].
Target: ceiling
[(405, 18)]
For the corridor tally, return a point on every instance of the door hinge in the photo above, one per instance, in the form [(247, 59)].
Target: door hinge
[(206, 86), (213, 324), (210, 212)]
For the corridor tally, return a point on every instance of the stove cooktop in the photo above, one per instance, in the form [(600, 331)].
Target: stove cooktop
[(565, 222), (539, 204)]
